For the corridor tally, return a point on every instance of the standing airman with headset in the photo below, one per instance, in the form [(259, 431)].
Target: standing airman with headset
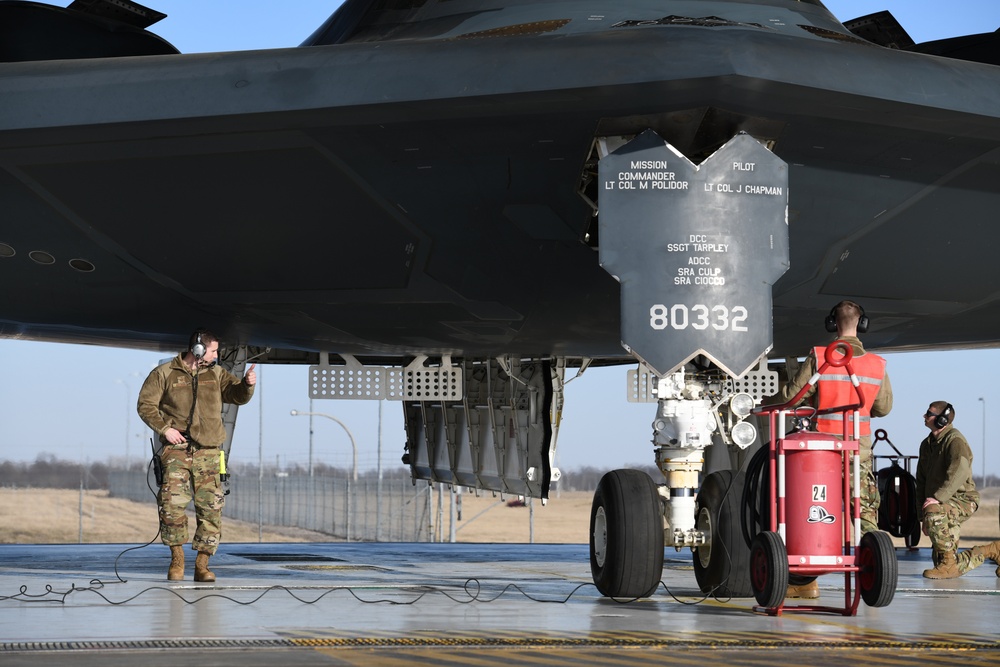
[(833, 389), (182, 402), (944, 480)]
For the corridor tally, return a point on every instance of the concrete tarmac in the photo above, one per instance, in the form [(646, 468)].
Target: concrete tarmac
[(452, 604)]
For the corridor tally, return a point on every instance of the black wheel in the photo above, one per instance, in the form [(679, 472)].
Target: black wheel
[(913, 539), (878, 569), (722, 565), (768, 569), (626, 535)]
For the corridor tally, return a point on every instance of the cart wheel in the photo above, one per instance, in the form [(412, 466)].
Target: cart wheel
[(626, 535), (722, 566), (878, 569), (768, 569), (913, 539)]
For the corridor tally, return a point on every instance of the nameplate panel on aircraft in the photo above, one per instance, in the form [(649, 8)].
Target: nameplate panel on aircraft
[(696, 249)]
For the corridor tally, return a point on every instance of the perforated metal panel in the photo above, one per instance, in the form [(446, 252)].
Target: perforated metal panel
[(352, 380), (361, 382), (432, 384), (394, 384), (641, 382), (759, 383)]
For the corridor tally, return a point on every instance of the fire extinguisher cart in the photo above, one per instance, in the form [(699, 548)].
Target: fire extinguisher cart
[(814, 515)]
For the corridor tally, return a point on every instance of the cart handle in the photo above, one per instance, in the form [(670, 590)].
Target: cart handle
[(829, 359), (880, 434)]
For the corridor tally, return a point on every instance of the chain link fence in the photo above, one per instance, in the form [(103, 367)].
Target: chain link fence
[(391, 510)]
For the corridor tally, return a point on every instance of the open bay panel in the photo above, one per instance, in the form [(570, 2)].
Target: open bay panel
[(696, 249), (497, 436), (481, 423)]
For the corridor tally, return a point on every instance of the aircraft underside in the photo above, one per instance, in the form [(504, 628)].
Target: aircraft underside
[(461, 221)]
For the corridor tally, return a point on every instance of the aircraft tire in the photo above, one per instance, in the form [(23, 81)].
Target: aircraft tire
[(626, 535), (769, 569), (878, 569), (722, 567)]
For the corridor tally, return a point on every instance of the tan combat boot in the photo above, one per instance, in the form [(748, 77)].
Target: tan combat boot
[(201, 571), (947, 567), (176, 570), (989, 551), (808, 591)]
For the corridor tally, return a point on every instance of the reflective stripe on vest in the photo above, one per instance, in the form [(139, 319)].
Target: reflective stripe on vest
[(834, 389)]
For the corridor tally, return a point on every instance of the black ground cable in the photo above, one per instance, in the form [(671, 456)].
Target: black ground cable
[(141, 546), (474, 593), (472, 589), (95, 584)]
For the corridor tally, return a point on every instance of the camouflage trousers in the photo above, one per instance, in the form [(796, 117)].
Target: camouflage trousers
[(191, 474), (870, 497), (943, 525)]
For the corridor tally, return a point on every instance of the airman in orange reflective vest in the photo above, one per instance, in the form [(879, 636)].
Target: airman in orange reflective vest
[(834, 389)]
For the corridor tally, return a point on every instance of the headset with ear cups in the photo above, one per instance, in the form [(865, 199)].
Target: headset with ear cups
[(198, 349), (943, 419), (831, 320)]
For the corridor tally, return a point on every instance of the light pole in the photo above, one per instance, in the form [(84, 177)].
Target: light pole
[(128, 415), (983, 400), (354, 446)]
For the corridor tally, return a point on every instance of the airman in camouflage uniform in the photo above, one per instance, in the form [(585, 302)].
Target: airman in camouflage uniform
[(182, 402), (944, 480)]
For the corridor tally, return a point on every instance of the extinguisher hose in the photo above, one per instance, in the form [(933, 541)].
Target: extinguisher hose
[(751, 521)]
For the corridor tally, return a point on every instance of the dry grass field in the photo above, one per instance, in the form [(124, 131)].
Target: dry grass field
[(60, 516), (45, 516)]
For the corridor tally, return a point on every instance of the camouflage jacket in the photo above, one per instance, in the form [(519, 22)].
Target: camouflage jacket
[(944, 469), (168, 393)]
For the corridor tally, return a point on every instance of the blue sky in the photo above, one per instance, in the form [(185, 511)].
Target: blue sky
[(77, 402)]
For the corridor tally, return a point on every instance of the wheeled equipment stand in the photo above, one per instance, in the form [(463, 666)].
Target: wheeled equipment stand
[(899, 508)]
